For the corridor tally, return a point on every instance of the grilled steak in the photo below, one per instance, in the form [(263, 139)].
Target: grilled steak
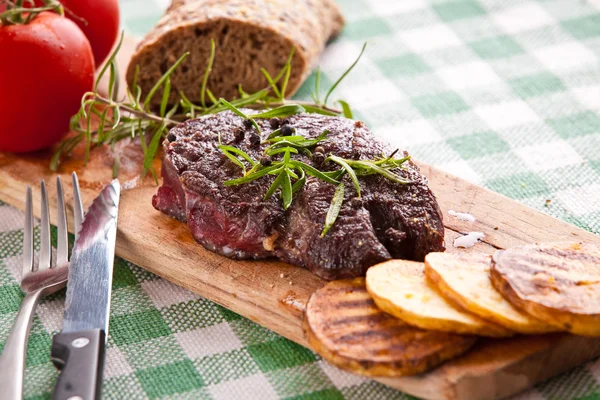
[(390, 220)]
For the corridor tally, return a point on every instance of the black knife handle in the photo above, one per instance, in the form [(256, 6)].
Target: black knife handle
[(80, 357)]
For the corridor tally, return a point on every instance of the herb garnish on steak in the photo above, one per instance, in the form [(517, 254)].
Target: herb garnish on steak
[(389, 220)]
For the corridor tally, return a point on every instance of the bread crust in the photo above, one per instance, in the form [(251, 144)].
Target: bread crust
[(249, 34)]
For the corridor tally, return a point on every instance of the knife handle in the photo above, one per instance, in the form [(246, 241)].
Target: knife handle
[(80, 358)]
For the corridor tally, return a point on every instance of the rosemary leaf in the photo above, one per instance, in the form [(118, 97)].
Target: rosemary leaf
[(102, 124), (286, 157), (292, 174), (252, 175), (319, 110), (108, 62), (165, 97), (211, 96), (276, 183), (116, 117), (162, 79), (271, 152), (297, 141), (241, 91), (342, 163), (286, 191), (286, 139), (151, 150), (372, 167), (281, 112), (113, 82), (288, 62), (207, 71), (172, 111), (299, 184), (273, 134), (316, 95), (237, 111), (250, 99), (136, 74), (234, 160), (332, 88), (337, 175), (346, 109), (334, 209), (286, 77), (238, 152), (313, 172), (271, 82)]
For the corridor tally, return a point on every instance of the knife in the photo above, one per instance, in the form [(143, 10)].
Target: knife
[(78, 351)]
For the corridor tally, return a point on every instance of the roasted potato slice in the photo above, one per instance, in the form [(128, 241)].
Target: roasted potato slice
[(343, 325), (558, 283), (400, 288), (464, 279)]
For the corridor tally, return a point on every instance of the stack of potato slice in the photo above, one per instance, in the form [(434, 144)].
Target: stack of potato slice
[(442, 304)]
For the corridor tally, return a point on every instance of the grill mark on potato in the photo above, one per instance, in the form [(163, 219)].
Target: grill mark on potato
[(373, 317), (558, 283), (353, 334)]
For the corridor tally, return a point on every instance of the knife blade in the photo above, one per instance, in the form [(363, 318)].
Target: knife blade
[(78, 351)]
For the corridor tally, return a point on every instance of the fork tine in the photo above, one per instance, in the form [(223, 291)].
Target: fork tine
[(77, 206), (45, 247), (28, 235), (62, 243)]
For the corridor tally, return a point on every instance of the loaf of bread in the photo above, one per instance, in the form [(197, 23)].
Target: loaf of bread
[(249, 34)]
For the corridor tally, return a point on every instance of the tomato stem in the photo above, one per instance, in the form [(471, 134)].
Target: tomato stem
[(18, 14)]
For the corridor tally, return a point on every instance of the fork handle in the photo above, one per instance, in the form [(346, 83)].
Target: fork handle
[(12, 360)]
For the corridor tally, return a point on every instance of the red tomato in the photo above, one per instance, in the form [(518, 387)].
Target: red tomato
[(101, 24), (98, 19), (47, 66)]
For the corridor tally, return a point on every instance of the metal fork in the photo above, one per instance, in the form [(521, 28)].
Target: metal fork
[(37, 282)]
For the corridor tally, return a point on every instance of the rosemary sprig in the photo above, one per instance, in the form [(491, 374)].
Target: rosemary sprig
[(291, 173), (286, 169), (334, 209), (106, 120)]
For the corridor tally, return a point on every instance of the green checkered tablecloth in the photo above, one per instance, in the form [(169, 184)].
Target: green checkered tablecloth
[(503, 93)]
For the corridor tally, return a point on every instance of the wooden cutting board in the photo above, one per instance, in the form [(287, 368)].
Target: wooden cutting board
[(274, 294)]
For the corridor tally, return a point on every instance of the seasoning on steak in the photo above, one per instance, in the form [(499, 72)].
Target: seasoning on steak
[(390, 220)]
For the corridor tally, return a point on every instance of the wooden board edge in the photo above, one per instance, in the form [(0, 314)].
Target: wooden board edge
[(549, 356)]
